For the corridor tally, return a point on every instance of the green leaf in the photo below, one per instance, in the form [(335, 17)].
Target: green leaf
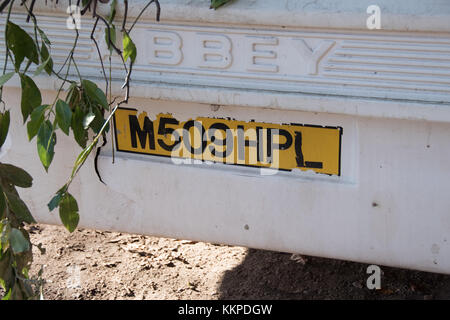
[(73, 96), (19, 208), (18, 242), (31, 96), (5, 228), (112, 12), (21, 44), (129, 48), (218, 3), (46, 56), (24, 260), (110, 33), (44, 37), (4, 78), (4, 126), (41, 67), (36, 120), (94, 93), (57, 198), (68, 212), (54, 202), (15, 175), (7, 296), (6, 273), (79, 131), (88, 118), (63, 116), (101, 98), (46, 140), (47, 64), (82, 157), (98, 121)]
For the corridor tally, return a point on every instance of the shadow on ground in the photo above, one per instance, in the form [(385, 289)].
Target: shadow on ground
[(275, 275)]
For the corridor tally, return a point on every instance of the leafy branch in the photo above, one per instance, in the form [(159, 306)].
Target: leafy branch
[(80, 107)]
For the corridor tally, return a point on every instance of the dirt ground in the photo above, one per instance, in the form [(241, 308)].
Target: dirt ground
[(90, 264)]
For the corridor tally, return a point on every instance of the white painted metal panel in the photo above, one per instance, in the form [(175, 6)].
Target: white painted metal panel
[(388, 90)]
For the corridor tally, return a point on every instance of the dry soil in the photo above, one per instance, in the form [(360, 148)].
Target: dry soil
[(90, 264)]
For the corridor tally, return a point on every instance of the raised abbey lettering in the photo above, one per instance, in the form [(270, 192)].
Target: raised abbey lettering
[(215, 51), (164, 47), (262, 54), (312, 57)]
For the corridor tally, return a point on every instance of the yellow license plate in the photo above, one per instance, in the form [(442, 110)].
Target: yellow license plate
[(256, 144)]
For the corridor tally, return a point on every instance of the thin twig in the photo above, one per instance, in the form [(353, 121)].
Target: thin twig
[(158, 13)]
